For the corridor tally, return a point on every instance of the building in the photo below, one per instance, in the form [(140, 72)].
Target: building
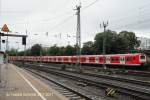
[(145, 43)]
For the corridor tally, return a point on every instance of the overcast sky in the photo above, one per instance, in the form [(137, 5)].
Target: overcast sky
[(49, 21)]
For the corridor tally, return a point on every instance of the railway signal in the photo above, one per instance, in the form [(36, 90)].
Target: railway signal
[(3, 41), (13, 35), (23, 40)]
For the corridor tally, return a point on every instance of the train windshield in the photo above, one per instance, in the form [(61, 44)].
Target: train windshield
[(142, 57)]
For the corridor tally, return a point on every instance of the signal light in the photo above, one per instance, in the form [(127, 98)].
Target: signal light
[(23, 40), (3, 41)]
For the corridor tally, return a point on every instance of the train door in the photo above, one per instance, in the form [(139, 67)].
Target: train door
[(122, 60), (107, 60), (96, 59)]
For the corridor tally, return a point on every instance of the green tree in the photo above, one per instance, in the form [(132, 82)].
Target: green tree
[(36, 50), (110, 42), (121, 45), (123, 42), (54, 50), (12, 52), (28, 52), (20, 53), (130, 40), (69, 50), (44, 52), (88, 48)]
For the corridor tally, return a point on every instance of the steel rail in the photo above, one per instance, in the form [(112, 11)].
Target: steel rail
[(143, 93), (62, 85)]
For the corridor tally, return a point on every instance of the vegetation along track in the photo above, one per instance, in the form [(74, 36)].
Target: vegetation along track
[(130, 88)]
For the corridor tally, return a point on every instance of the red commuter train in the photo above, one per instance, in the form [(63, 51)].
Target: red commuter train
[(136, 59)]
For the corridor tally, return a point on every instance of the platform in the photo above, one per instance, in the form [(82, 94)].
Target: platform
[(18, 84)]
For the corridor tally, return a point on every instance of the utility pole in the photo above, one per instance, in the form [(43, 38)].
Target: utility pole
[(40, 55), (105, 24), (7, 43), (7, 49), (78, 37), (0, 43), (25, 47)]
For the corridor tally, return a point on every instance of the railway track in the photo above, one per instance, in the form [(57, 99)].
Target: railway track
[(125, 86), (122, 71), (138, 73), (67, 91), (113, 69), (123, 79), (90, 91)]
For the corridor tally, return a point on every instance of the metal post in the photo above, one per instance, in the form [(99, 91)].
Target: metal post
[(104, 43), (0, 75), (7, 50), (78, 37), (25, 48), (0, 64), (41, 54), (0, 43)]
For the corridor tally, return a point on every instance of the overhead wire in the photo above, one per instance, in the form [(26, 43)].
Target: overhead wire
[(55, 17), (89, 5), (62, 22), (133, 24), (49, 19), (68, 18), (137, 18)]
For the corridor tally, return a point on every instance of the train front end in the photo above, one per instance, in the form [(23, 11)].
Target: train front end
[(142, 59)]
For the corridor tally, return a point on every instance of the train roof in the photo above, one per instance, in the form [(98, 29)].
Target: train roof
[(114, 54), (89, 55)]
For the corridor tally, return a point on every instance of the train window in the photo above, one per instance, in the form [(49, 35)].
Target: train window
[(101, 59), (54, 59), (73, 59), (128, 59), (133, 58), (83, 58), (59, 59), (49, 58), (92, 58), (115, 59), (65, 59), (142, 57)]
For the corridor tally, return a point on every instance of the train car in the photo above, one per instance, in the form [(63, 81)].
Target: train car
[(136, 59)]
